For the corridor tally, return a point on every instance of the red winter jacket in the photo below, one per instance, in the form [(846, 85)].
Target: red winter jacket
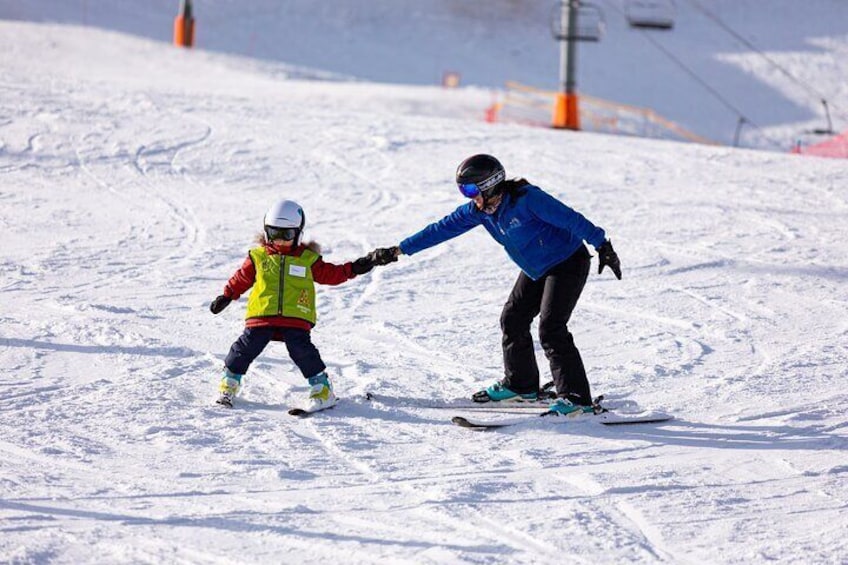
[(322, 273)]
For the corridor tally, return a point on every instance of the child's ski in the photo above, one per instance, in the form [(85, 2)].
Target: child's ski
[(303, 412)]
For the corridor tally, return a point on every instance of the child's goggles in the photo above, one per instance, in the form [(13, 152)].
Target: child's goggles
[(286, 234), (472, 189)]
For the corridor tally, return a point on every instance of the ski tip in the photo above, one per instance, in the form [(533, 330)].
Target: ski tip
[(465, 423)]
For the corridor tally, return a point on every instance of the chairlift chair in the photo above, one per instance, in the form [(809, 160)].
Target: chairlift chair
[(650, 14)]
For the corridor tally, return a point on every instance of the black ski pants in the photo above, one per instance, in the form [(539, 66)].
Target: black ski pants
[(298, 342), (552, 298)]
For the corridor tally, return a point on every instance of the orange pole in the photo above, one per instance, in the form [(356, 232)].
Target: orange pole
[(184, 26), (179, 31), (572, 113), (560, 118), (566, 111)]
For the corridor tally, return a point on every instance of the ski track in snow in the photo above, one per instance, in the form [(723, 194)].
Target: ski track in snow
[(127, 203)]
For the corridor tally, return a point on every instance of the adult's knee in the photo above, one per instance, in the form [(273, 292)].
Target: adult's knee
[(513, 322), (554, 334)]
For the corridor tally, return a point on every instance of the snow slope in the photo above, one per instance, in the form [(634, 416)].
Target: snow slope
[(701, 75), (134, 177)]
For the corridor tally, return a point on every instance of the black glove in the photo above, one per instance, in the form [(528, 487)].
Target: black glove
[(384, 255), (219, 304), (608, 257), (377, 258), (363, 264)]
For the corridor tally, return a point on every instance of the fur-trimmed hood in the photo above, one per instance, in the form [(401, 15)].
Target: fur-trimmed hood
[(311, 245)]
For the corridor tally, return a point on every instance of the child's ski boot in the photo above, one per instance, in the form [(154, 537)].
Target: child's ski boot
[(321, 394), (228, 387)]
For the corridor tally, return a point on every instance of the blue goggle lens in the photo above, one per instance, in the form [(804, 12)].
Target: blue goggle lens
[(469, 190)]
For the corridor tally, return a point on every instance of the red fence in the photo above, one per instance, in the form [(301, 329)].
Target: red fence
[(836, 147)]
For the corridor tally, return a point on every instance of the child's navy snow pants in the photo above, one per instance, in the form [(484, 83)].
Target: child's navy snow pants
[(251, 343)]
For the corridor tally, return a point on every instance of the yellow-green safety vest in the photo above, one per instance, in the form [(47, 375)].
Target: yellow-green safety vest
[(284, 286)]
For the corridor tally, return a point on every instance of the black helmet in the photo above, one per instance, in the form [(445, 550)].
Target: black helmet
[(480, 174)]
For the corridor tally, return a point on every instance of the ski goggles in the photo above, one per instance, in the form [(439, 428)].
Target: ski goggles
[(469, 190), (286, 234), (472, 189)]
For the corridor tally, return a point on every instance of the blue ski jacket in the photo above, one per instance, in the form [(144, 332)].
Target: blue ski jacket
[(537, 230)]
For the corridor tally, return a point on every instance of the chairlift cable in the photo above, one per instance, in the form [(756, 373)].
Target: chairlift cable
[(692, 74), (719, 22), (741, 117)]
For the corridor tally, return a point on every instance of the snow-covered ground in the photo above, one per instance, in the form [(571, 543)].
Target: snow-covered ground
[(133, 177)]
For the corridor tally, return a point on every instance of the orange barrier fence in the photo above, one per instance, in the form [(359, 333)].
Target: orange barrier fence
[(538, 107)]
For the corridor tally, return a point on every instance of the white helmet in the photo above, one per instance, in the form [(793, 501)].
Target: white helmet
[(284, 217)]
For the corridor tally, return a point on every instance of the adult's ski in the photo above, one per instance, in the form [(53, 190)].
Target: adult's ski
[(461, 404), (605, 418)]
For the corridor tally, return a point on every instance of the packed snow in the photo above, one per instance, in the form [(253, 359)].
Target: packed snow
[(134, 178)]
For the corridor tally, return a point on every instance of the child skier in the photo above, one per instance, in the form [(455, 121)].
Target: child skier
[(281, 305)]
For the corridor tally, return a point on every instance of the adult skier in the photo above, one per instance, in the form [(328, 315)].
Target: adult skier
[(544, 237)]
